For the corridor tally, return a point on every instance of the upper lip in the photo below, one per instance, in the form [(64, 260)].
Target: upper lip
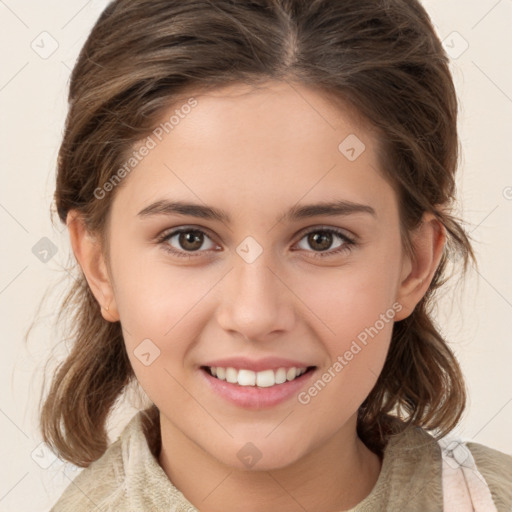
[(256, 365)]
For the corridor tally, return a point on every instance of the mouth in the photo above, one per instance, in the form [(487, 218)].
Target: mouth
[(262, 379)]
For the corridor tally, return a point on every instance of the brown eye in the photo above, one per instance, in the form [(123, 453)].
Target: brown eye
[(191, 240), (320, 240), (184, 242)]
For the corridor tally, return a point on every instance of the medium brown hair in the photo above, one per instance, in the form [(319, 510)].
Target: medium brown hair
[(380, 58)]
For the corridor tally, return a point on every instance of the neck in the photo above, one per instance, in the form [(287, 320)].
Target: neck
[(336, 475)]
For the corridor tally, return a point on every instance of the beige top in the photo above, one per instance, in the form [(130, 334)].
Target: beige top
[(128, 478)]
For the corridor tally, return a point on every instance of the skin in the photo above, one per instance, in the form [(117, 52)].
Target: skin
[(255, 153)]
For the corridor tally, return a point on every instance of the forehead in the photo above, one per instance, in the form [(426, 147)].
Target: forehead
[(295, 111), (244, 145)]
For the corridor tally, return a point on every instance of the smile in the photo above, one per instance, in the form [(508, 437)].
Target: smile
[(262, 379)]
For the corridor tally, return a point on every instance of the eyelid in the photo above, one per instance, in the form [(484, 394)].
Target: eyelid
[(349, 242), (348, 239), (340, 231), (211, 235), (185, 227), (169, 233)]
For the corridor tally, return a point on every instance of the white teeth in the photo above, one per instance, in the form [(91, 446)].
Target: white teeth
[(247, 378), (281, 376), (291, 373), (231, 375), (263, 379)]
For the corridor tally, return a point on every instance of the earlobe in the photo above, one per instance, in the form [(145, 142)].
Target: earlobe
[(88, 252), (428, 242)]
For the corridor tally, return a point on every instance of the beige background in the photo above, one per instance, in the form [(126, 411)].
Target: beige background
[(33, 94)]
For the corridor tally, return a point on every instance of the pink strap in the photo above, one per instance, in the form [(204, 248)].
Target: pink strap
[(464, 487)]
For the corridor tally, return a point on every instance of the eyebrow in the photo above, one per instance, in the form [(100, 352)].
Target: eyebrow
[(297, 212)]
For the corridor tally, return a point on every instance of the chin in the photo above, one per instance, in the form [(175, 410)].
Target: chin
[(252, 456)]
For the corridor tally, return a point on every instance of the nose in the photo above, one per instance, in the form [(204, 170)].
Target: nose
[(255, 301)]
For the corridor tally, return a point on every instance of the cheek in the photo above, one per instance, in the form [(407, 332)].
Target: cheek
[(349, 299), (356, 328), (151, 295), (159, 314), (162, 308), (356, 307)]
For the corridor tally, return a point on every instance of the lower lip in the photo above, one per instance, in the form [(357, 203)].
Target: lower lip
[(253, 397)]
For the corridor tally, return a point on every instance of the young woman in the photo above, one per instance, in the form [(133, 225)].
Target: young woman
[(259, 196)]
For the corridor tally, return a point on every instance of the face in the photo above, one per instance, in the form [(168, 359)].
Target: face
[(269, 278)]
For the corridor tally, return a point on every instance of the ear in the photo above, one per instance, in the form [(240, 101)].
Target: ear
[(88, 252), (428, 241)]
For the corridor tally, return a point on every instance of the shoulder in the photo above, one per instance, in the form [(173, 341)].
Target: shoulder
[(416, 458), (127, 477), (496, 468), (410, 477), (100, 486)]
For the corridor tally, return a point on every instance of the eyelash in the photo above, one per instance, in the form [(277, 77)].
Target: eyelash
[(347, 246)]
